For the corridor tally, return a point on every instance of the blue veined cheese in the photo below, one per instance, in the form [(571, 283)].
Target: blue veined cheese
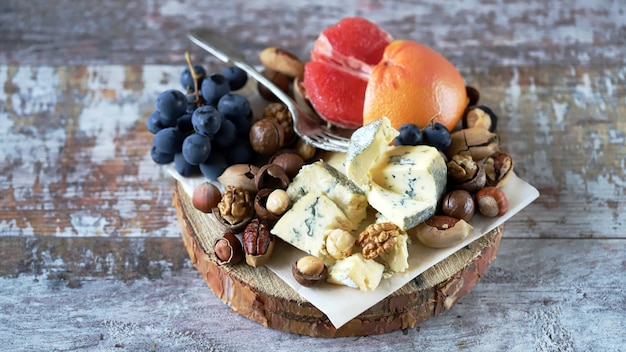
[(321, 178), (397, 259), (356, 272), (406, 184), (308, 222), (366, 146)]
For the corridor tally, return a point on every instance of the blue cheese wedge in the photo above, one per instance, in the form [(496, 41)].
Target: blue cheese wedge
[(356, 272), (403, 183), (308, 222), (406, 184), (366, 146), (321, 178)]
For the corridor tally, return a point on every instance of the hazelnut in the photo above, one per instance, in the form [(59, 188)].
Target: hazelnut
[(279, 79), (441, 231), (260, 205), (266, 136), (240, 176), (480, 116), (305, 150), (205, 197), (458, 204), (271, 176), (492, 202), (340, 243), (278, 202), (289, 160), (228, 249), (309, 271)]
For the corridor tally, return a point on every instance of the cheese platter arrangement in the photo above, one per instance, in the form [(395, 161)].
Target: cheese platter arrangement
[(378, 237)]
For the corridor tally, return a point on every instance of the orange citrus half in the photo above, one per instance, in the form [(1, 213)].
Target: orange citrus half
[(414, 84)]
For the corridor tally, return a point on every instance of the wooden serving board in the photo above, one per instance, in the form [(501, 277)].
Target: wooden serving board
[(260, 295)]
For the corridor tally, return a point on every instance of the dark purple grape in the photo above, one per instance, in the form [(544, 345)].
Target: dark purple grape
[(409, 134), (186, 79), (184, 124), (153, 123), (437, 135), (226, 135), (171, 104), (160, 157), (207, 120), (214, 87), (235, 76), (184, 168), (167, 140), (196, 148), (213, 166), (242, 125), (233, 106), (240, 152)]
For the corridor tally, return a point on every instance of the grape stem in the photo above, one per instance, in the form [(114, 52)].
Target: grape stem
[(195, 77)]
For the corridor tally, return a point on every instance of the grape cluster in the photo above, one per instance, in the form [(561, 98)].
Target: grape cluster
[(435, 135), (205, 129)]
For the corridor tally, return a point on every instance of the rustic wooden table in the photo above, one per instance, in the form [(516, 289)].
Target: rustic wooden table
[(91, 255)]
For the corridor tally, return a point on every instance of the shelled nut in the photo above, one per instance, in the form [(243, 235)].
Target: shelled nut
[(309, 271), (228, 249), (258, 243), (492, 202)]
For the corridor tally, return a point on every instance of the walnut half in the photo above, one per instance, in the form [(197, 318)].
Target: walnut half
[(377, 239), (235, 209)]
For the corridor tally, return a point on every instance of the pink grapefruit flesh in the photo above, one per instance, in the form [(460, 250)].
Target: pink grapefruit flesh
[(342, 59)]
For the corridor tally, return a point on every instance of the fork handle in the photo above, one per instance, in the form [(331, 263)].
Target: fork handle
[(215, 44)]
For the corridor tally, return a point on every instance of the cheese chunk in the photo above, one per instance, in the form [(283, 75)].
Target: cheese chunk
[(321, 178), (403, 183), (365, 148), (308, 222), (397, 259), (406, 184), (356, 272)]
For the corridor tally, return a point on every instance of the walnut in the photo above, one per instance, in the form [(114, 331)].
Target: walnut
[(377, 239), (281, 115), (465, 173), (498, 168), (235, 207), (462, 168)]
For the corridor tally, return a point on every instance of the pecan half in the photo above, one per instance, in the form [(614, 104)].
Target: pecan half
[(377, 239), (258, 243)]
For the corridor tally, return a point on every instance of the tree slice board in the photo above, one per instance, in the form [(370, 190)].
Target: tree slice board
[(261, 296)]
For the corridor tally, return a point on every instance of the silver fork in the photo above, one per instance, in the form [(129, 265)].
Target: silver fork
[(310, 128)]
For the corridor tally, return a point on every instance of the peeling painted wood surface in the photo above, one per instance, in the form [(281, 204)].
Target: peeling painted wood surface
[(521, 304), (90, 250)]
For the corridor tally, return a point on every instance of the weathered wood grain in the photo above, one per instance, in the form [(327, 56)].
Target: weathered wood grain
[(521, 305), (479, 33), (90, 252), (75, 158)]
